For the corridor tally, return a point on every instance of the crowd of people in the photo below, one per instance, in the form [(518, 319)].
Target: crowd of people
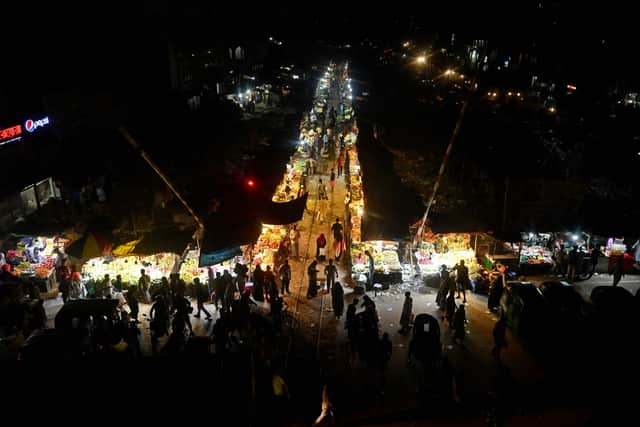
[(455, 315)]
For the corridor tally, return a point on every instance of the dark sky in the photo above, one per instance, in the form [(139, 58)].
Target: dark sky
[(115, 19), (87, 45)]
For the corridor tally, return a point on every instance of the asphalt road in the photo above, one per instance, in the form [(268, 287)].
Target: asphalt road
[(533, 393)]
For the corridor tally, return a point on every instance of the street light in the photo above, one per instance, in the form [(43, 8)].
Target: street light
[(421, 59)]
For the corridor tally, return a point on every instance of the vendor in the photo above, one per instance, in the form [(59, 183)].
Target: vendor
[(61, 257), (37, 256), (32, 248), (13, 258), (5, 273), (371, 267)]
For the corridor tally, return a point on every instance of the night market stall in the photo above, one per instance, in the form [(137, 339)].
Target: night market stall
[(447, 249), (356, 191), (290, 186), (157, 252), (128, 267), (224, 243), (262, 238), (33, 258), (535, 250), (387, 267), (615, 246), (205, 266), (273, 244)]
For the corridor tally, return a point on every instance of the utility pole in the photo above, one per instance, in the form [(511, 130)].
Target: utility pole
[(125, 133), (443, 165), (504, 203)]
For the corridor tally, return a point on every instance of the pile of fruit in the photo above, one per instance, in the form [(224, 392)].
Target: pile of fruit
[(359, 268), (23, 266), (265, 258), (156, 266), (355, 228), (42, 273), (390, 257), (387, 260), (48, 263), (189, 271), (356, 188)]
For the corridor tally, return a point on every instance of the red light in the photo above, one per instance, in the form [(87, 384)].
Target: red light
[(250, 183)]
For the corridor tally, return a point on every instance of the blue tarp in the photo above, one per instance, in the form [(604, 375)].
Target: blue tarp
[(221, 236), (213, 258)]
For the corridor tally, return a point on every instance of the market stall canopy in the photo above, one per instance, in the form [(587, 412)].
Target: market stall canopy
[(91, 245), (162, 240), (126, 248), (456, 223), (224, 254), (274, 213), (219, 236)]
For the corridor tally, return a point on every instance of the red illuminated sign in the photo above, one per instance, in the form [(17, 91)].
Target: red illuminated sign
[(10, 134)]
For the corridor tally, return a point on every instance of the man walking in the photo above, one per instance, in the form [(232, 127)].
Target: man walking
[(617, 271), (572, 264), (202, 295), (338, 236), (322, 190), (144, 282), (371, 266), (386, 350), (405, 317), (294, 236), (285, 276), (595, 254), (331, 274), (351, 325), (312, 291), (462, 280)]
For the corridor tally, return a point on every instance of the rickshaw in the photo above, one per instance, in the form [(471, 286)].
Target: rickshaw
[(425, 345), (82, 327)]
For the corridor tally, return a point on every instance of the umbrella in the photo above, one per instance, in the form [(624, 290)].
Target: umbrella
[(91, 245)]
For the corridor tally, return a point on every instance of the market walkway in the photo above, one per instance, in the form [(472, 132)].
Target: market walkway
[(311, 228)]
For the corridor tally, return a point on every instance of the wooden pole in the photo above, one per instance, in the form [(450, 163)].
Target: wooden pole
[(475, 245), (445, 159), (123, 131)]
